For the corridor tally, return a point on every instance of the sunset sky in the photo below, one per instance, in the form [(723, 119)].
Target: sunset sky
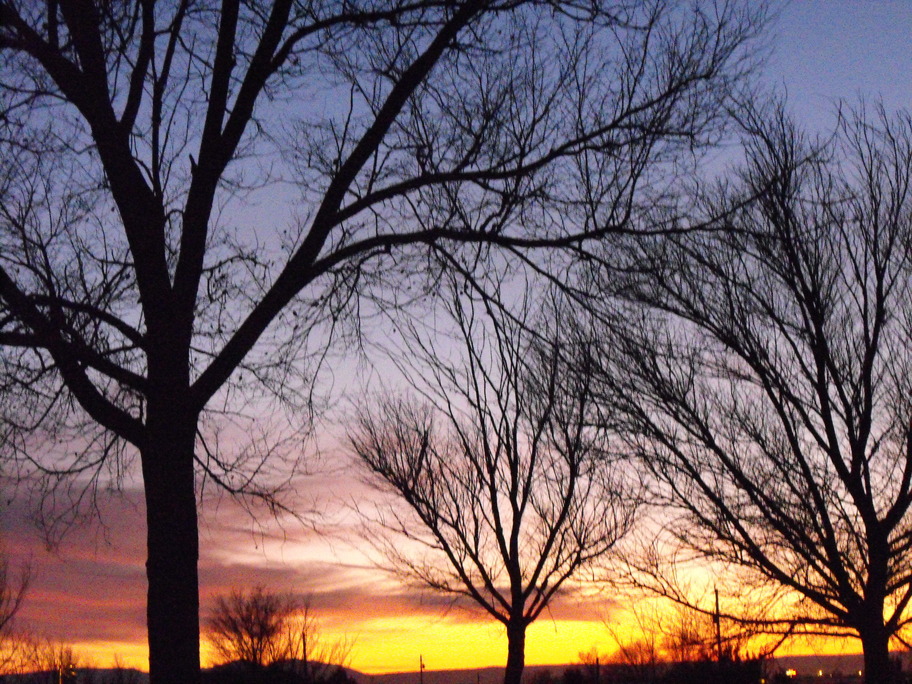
[(90, 590)]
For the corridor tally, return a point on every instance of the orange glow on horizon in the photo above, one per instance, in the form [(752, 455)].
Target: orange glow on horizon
[(104, 654), (394, 644)]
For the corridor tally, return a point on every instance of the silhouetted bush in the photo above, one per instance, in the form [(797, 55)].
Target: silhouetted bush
[(711, 672), (288, 672), (749, 671)]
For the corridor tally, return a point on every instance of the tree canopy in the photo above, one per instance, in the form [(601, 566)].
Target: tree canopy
[(760, 372), (496, 473)]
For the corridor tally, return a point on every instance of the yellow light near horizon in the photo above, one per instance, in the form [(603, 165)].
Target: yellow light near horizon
[(396, 644), (104, 654), (207, 653), (453, 641)]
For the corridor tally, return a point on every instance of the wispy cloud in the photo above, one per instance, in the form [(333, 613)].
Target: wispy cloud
[(91, 588)]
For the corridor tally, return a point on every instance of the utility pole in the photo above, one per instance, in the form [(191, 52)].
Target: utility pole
[(421, 669), (717, 618)]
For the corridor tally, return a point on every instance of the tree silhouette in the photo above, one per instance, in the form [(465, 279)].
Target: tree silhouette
[(141, 298), (263, 629), (13, 588), (250, 626), (502, 483), (762, 374)]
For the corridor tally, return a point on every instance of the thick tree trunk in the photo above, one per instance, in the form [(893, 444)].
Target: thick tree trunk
[(875, 642), (516, 653), (875, 638), (172, 608)]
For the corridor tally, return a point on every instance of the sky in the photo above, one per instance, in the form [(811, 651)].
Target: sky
[(90, 589)]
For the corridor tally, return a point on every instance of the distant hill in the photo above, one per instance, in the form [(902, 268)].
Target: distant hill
[(804, 665), (484, 675), (86, 675), (118, 676), (834, 664)]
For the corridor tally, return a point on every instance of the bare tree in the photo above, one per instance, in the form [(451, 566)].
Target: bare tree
[(143, 303), (762, 374), (123, 674), (502, 482), (13, 588), (263, 628), (61, 661), (639, 658), (309, 654), (665, 634), (250, 626), (43, 659)]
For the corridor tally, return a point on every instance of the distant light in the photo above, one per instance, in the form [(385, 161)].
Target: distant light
[(791, 673), (820, 673)]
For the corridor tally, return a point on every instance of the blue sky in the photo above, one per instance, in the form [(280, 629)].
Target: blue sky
[(830, 50)]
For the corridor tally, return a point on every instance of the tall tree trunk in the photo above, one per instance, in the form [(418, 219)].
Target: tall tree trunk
[(875, 638), (875, 643), (516, 652), (172, 609)]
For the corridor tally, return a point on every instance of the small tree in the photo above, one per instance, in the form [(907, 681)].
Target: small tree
[(61, 661), (13, 588), (43, 659), (251, 626), (123, 674), (264, 629), (501, 481)]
